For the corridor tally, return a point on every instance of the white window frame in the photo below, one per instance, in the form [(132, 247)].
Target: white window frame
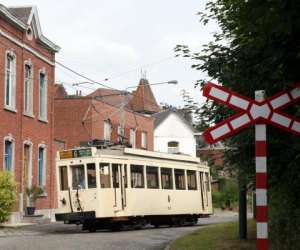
[(12, 104), (144, 142), (173, 150), (44, 119), (44, 175), (12, 140), (107, 130), (132, 137), (28, 112)]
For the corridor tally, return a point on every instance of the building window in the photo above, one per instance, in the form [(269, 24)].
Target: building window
[(107, 130), (132, 137), (166, 178), (8, 154), (152, 177), (179, 179), (191, 180), (173, 147), (144, 140), (10, 80), (43, 96), (137, 176), (28, 89), (42, 166)]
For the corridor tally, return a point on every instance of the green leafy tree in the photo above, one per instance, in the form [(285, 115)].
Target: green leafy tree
[(7, 194), (258, 47)]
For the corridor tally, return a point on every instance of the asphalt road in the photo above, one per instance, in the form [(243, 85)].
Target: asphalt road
[(57, 236)]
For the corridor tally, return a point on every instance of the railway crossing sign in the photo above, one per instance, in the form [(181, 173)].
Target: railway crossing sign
[(259, 112)]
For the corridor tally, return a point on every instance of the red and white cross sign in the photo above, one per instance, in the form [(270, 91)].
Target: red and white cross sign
[(251, 111), (258, 112)]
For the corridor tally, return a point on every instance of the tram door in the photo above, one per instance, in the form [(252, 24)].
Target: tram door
[(119, 184), (83, 196), (202, 190)]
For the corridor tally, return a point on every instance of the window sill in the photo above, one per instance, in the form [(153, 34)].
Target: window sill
[(11, 109), (30, 115), (43, 120)]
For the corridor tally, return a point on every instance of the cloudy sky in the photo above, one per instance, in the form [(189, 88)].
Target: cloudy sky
[(117, 39)]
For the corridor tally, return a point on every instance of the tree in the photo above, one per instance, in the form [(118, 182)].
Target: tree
[(258, 47), (7, 194)]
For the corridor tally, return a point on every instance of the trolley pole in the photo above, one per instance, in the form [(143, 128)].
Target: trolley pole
[(261, 180)]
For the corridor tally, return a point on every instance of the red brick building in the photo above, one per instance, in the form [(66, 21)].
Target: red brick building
[(82, 119), (26, 131)]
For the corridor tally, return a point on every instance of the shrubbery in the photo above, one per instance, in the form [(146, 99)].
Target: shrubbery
[(7, 194), (227, 197)]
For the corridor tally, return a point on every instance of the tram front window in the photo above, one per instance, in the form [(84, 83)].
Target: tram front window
[(78, 177), (104, 175), (91, 175)]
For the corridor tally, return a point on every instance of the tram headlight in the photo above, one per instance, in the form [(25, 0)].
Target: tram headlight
[(63, 201)]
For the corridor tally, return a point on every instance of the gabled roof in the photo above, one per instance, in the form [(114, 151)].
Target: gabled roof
[(143, 100), (21, 13), (113, 97), (23, 17), (163, 115)]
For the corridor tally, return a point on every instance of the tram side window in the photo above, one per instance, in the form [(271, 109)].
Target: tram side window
[(166, 178), (152, 177), (125, 176), (191, 179), (104, 175), (137, 176), (91, 175), (115, 175), (207, 182), (179, 179), (63, 176), (78, 178)]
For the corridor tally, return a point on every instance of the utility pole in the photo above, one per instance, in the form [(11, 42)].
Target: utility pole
[(122, 116)]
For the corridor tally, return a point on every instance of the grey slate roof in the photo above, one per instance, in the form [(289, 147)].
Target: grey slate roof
[(161, 116), (22, 13)]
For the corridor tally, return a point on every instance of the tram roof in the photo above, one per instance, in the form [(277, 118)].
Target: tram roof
[(148, 154)]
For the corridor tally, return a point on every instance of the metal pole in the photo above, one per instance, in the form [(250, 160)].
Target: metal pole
[(243, 211), (261, 181), (122, 117)]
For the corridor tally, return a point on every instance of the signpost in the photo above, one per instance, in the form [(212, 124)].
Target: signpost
[(259, 112)]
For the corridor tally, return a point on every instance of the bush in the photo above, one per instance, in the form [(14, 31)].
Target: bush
[(7, 194), (227, 196)]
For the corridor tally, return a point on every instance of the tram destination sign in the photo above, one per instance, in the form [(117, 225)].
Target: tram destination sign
[(75, 153)]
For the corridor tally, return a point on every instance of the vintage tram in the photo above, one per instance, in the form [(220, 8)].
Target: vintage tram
[(114, 187)]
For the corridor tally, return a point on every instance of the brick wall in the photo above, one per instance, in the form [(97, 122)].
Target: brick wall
[(24, 128), (82, 119)]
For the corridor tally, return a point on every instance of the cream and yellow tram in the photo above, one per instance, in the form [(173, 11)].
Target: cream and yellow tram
[(124, 186)]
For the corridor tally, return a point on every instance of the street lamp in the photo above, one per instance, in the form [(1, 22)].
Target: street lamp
[(159, 83)]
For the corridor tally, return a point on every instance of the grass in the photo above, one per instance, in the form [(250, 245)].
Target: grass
[(216, 237)]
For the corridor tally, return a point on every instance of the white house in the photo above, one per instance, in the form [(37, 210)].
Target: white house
[(173, 133)]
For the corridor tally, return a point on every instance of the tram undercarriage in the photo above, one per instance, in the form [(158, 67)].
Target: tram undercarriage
[(91, 223)]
